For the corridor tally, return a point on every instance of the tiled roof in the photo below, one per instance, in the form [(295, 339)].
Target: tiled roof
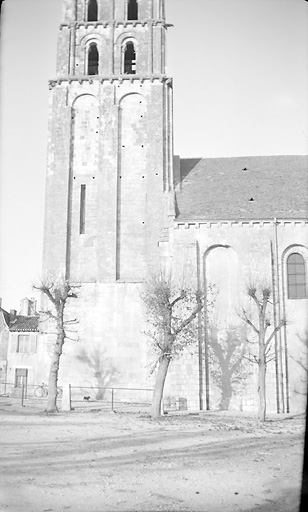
[(24, 324), (243, 188)]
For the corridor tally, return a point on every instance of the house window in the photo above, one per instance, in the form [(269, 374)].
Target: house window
[(93, 60), (92, 10), (132, 10), (129, 59), (82, 219), (296, 276), (23, 343)]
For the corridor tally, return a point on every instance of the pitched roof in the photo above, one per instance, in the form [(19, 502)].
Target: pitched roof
[(6, 316), (260, 187), (24, 324)]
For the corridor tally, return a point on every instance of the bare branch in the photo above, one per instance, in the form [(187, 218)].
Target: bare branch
[(73, 321), (251, 358), (49, 315), (277, 328), (46, 290), (300, 362), (69, 338), (178, 299), (249, 322), (252, 342), (189, 319), (268, 360)]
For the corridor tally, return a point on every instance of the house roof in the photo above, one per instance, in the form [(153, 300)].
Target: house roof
[(239, 188), (6, 316), (24, 324)]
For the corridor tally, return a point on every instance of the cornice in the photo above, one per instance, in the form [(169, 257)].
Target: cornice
[(109, 78), (196, 224), (115, 23)]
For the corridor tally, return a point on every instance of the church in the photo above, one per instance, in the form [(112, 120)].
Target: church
[(121, 206)]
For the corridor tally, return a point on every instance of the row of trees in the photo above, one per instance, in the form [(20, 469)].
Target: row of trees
[(172, 313)]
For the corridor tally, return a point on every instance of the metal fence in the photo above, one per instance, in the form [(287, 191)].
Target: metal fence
[(114, 398), (109, 398), (29, 390)]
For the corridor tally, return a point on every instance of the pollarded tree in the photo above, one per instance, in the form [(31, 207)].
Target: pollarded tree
[(58, 291), (260, 297), (171, 312)]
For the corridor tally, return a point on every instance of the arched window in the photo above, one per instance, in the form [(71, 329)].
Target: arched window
[(129, 59), (93, 60), (92, 10), (132, 10), (296, 275)]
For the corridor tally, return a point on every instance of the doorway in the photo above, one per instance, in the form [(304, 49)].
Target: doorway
[(21, 378)]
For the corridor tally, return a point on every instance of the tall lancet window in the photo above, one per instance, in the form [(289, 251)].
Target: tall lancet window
[(92, 10), (132, 10), (93, 60), (296, 276), (129, 59)]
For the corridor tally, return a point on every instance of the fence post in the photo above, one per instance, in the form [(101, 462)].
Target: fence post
[(112, 399), (66, 398), (22, 391)]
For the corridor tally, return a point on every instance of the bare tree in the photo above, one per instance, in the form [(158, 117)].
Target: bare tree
[(227, 368), (171, 311), (261, 300), (58, 292)]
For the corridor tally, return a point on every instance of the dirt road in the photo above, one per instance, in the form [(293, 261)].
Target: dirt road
[(110, 462)]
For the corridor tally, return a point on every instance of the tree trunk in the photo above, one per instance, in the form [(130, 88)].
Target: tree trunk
[(159, 386), (54, 369), (262, 385), (52, 384)]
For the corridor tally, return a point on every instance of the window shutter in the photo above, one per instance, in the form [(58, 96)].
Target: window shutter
[(33, 341), (14, 339)]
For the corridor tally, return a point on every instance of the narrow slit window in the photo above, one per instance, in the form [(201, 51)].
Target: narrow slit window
[(296, 276), (93, 60), (130, 59), (82, 220), (132, 10), (92, 10)]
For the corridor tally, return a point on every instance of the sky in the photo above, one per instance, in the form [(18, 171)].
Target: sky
[(240, 72)]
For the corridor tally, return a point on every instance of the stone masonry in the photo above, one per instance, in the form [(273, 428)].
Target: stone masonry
[(109, 176), (119, 205)]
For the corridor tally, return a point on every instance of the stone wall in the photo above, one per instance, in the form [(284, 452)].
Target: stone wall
[(111, 139), (231, 256), (109, 9)]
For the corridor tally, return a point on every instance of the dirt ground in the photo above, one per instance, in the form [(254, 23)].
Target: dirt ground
[(92, 460)]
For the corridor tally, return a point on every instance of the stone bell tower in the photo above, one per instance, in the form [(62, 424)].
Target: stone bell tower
[(110, 141), (109, 171)]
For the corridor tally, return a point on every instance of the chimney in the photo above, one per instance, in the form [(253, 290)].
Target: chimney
[(28, 307), (13, 314), (32, 306), (24, 307)]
